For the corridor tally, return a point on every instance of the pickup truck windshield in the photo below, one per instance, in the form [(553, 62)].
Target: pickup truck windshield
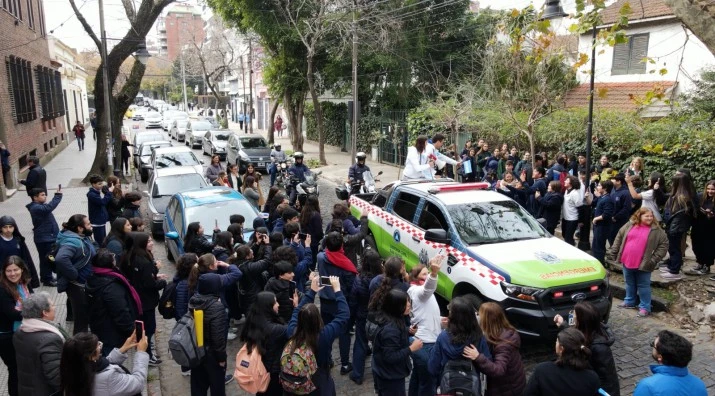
[(494, 222)]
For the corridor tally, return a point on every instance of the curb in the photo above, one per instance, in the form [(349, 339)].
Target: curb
[(618, 290)]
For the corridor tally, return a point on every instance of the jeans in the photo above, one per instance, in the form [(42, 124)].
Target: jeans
[(675, 252), (99, 233), (421, 381), (568, 229), (386, 387), (80, 309), (43, 248), (149, 319), (328, 309), (273, 171), (125, 163), (7, 353), (208, 375), (80, 143), (600, 235), (359, 350), (637, 284)]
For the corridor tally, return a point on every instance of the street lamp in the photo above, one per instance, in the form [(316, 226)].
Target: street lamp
[(553, 10), (141, 54)]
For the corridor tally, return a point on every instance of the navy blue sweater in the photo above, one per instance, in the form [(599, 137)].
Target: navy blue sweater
[(97, 206), (44, 223)]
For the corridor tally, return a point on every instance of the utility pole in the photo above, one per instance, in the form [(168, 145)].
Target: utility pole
[(250, 84), (243, 92), (183, 81), (112, 162), (354, 134)]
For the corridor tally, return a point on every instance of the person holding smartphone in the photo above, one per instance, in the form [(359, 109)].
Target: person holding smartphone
[(254, 279), (283, 286)]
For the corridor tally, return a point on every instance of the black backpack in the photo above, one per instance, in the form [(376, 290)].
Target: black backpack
[(167, 301), (460, 378)]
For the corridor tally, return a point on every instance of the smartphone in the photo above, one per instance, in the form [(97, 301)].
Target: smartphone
[(215, 224), (59, 187), (325, 281), (302, 236), (139, 330)]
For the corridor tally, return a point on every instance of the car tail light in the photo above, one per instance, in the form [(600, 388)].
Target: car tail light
[(558, 294)]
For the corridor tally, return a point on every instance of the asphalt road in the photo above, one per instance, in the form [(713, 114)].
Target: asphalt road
[(631, 349)]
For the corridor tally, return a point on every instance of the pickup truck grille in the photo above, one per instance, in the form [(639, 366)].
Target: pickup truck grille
[(571, 294)]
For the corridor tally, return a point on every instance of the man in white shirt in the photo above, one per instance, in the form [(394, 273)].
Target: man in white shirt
[(422, 157)]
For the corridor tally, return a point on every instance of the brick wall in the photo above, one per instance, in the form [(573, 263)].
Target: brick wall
[(45, 138)]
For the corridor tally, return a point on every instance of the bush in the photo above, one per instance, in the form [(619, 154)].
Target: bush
[(335, 117)]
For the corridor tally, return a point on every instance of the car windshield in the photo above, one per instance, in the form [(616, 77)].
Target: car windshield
[(181, 123), (153, 114), (207, 214), (147, 137), (170, 185), (146, 148), (176, 159), (253, 143), (494, 222), (201, 126), (221, 136)]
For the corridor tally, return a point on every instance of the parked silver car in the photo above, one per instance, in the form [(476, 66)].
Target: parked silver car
[(163, 184), (214, 142), (143, 160), (195, 131), (178, 129), (244, 149)]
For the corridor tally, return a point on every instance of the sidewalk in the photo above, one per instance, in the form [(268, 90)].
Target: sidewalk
[(68, 168), (338, 162)]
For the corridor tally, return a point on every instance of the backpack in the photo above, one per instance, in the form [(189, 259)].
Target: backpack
[(459, 378), (183, 344), (371, 326), (297, 368), (167, 301), (250, 373)]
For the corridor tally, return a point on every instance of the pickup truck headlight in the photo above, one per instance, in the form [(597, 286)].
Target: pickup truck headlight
[(524, 293), (157, 216)]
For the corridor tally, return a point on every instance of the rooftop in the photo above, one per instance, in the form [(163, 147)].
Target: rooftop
[(640, 10), (616, 96)]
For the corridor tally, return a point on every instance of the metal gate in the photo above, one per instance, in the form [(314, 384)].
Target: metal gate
[(394, 144)]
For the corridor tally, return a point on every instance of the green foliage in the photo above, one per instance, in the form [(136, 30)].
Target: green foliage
[(335, 117), (369, 133), (702, 99)]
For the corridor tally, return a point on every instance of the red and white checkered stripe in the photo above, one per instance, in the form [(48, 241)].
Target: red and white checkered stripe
[(463, 258)]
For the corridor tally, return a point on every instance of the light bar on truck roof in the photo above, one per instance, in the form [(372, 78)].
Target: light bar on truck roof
[(459, 187)]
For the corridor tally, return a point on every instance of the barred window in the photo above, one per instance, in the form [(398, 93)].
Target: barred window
[(30, 15), (49, 86), (22, 91), (13, 7)]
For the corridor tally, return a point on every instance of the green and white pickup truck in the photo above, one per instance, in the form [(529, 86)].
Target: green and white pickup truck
[(496, 250)]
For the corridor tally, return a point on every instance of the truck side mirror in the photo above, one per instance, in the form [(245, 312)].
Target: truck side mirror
[(342, 193), (437, 235)]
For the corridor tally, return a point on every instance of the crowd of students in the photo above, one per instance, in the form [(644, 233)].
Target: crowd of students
[(263, 291)]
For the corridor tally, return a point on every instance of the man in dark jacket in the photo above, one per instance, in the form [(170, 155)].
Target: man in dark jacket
[(284, 288), (12, 243), (539, 184), (45, 229), (254, 271), (38, 347), (73, 266), (622, 202), (602, 219), (36, 176), (97, 207), (550, 206), (334, 262), (5, 157), (212, 371)]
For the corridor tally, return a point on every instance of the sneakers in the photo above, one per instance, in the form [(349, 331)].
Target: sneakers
[(358, 381), (232, 336), (154, 361), (712, 278), (626, 306), (664, 270), (670, 276), (346, 369), (702, 270), (186, 373), (228, 378), (643, 313), (50, 283)]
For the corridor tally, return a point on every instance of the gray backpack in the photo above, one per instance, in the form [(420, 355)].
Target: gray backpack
[(183, 345)]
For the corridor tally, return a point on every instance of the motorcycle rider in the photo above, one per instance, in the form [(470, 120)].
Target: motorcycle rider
[(355, 172), (297, 172), (277, 156)]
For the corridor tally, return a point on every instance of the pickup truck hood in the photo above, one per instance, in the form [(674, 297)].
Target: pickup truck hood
[(542, 263)]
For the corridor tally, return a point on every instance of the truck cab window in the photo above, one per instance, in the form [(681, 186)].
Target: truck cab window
[(405, 206), (432, 217)]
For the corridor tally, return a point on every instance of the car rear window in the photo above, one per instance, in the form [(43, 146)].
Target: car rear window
[(253, 143), (209, 213), (176, 159)]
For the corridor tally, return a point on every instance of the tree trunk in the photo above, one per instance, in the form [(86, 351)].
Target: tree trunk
[(530, 135), (99, 166), (455, 136), (698, 17), (318, 112), (271, 131), (294, 110)]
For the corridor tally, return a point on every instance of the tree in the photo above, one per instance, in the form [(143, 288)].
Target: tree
[(141, 21), (213, 58), (525, 74), (702, 99), (699, 17)]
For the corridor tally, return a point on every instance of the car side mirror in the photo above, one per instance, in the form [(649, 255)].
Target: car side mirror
[(379, 173), (145, 193), (342, 193), (437, 235), (173, 235), (201, 162)]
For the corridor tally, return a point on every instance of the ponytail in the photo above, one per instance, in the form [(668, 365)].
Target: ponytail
[(201, 267)]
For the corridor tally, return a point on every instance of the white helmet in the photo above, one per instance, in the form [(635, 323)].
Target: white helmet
[(361, 156)]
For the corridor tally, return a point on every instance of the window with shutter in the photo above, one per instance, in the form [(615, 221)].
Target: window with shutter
[(21, 90), (628, 57)]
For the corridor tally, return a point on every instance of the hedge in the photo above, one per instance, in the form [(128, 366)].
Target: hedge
[(335, 117)]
